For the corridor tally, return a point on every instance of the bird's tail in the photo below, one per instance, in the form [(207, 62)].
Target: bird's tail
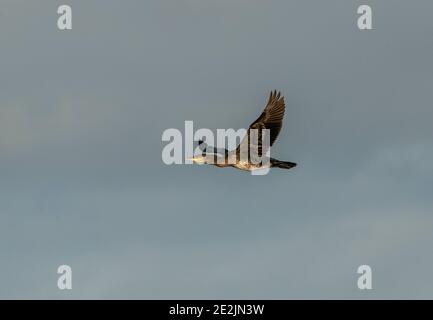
[(282, 164)]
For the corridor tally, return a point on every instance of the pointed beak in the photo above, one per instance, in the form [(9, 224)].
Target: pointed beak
[(193, 159)]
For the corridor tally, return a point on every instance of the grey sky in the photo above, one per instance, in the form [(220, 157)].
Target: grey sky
[(81, 177)]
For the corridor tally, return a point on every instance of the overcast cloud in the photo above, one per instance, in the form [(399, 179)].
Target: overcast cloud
[(82, 181)]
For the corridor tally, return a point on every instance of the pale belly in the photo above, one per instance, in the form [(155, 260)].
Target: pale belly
[(250, 166)]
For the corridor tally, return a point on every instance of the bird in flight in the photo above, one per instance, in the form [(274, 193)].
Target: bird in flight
[(270, 123)]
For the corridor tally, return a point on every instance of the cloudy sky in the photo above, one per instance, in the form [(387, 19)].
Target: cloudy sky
[(82, 182)]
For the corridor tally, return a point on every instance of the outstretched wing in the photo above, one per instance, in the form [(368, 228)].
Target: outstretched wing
[(271, 119)]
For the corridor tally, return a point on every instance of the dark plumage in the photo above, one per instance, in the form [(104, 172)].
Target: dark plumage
[(271, 119)]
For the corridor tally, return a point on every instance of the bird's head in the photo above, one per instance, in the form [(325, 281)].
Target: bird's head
[(199, 159), (206, 158)]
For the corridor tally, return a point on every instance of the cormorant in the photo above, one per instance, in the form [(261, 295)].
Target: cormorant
[(271, 119)]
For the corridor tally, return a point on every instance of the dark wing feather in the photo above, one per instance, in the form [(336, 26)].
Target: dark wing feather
[(271, 118)]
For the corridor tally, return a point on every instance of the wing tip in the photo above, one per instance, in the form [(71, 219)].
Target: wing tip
[(275, 96)]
